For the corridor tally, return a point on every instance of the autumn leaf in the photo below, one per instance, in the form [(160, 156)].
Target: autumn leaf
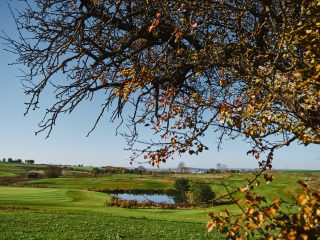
[(153, 25), (210, 226), (244, 189)]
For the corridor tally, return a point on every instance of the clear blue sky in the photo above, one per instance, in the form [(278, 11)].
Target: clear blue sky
[(68, 143)]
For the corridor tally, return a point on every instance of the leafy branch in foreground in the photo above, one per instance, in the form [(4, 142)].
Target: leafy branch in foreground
[(242, 69), (182, 68), (260, 219)]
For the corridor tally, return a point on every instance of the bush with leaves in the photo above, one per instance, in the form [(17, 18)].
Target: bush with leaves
[(261, 219), (181, 188), (95, 171), (33, 174), (202, 193), (181, 184), (52, 171), (192, 193)]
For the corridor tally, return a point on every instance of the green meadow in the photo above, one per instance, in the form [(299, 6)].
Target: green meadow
[(66, 225), (123, 181), (68, 207)]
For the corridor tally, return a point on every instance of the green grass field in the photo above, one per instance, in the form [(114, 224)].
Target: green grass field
[(87, 201), (7, 174), (42, 213), (123, 181), (63, 208), (65, 225)]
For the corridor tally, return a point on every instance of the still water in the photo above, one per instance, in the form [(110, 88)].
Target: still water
[(157, 198)]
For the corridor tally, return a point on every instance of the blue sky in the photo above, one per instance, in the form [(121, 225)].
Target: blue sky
[(68, 143)]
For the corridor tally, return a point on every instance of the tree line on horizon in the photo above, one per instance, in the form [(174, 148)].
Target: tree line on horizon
[(18, 160)]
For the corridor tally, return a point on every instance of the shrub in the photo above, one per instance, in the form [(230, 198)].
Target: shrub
[(33, 175), (202, 193), (52, 171), (182, 184), (123, 203), (95, 171), (181, 189)]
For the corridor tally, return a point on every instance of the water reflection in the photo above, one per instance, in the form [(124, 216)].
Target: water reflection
[(157, 198)]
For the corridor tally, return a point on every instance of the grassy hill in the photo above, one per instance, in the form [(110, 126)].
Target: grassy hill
[(65, 208)]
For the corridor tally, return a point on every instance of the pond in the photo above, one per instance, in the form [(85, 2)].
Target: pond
[(157, 198)]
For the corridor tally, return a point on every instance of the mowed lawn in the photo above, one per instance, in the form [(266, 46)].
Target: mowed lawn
[(284, 184), (89, 226), (50, 197), (43, 199), (15, 169), (116, 181), (63, 208), (7, 174), (40, 213)]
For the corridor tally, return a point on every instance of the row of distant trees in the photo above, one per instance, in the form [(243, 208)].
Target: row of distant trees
[(110, 169), (181, 168), (19, 160)]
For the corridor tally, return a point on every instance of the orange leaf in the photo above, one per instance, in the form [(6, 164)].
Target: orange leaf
[(153, 25), (244, 189), (275, 200), (210, 226), (270, 212)]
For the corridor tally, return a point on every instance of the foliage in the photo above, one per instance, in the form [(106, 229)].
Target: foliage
[(140, 169), (202, 193), (242, 68), (52, 171), (10, 160), (181, 184), (30, 161), (33, 174), (113, 170), (182, 168), (192, 193), (264, 220), (221, 167), (119, 170), (95, 171), (118, 202), (181, 188)]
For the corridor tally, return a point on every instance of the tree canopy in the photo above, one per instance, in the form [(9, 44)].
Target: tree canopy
[(247, 68)]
